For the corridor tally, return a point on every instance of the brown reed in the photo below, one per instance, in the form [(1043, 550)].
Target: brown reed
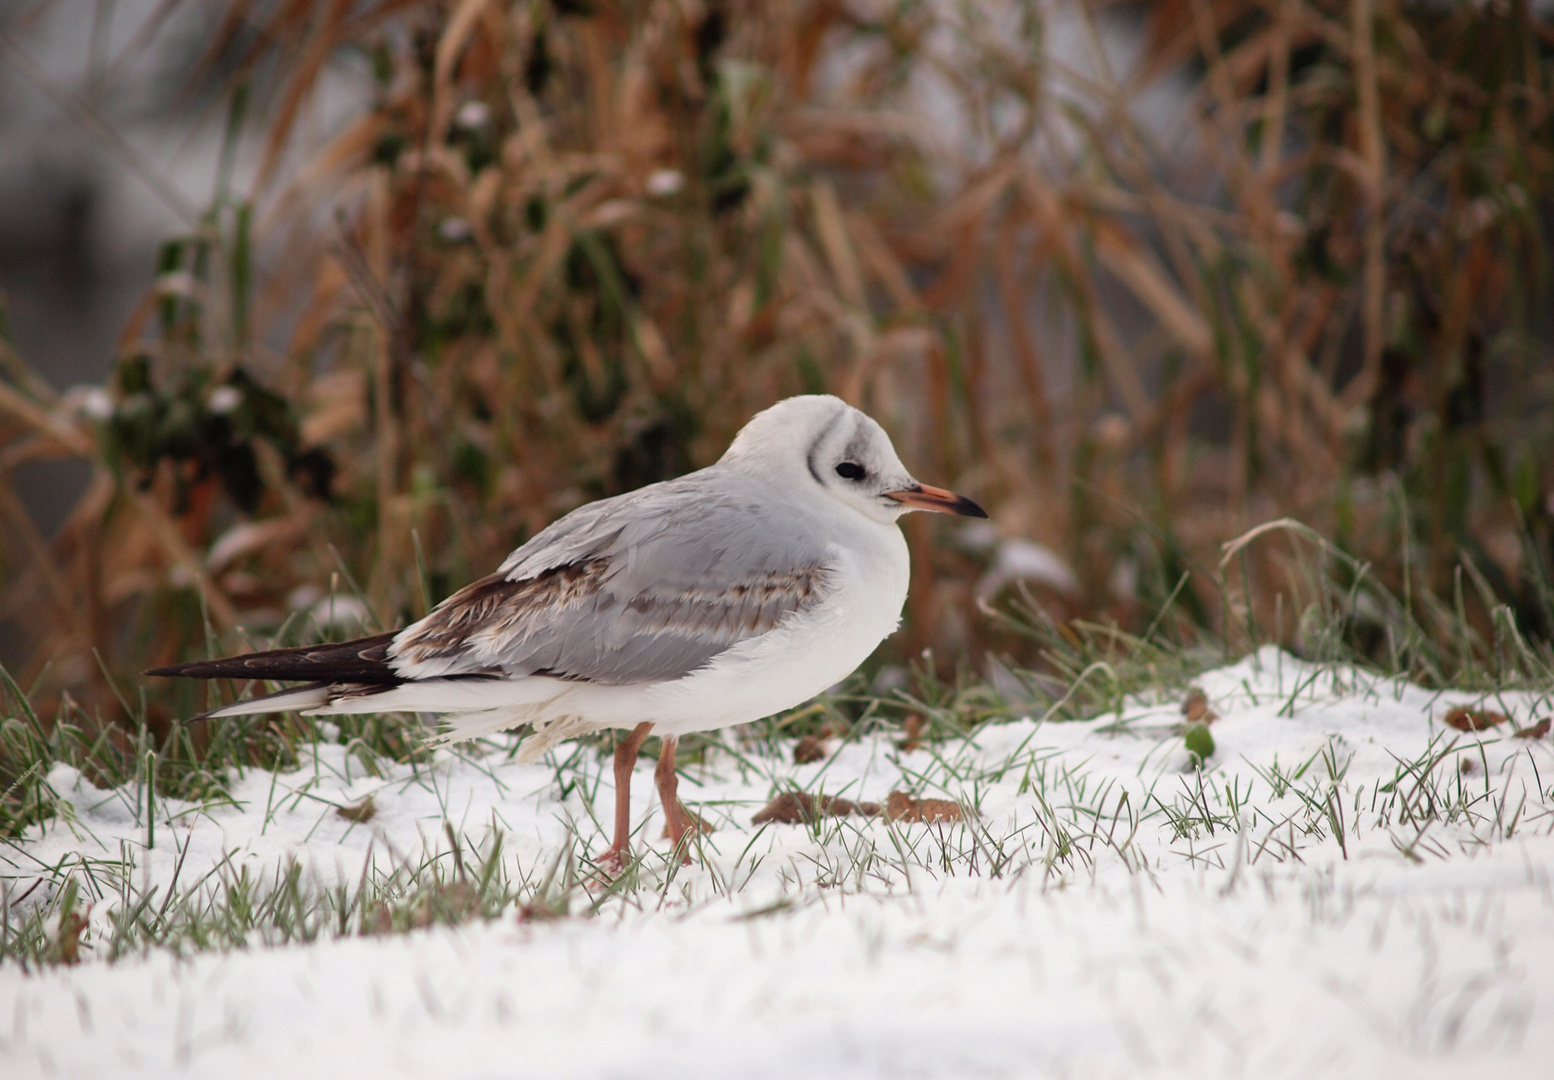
[(568, 248)]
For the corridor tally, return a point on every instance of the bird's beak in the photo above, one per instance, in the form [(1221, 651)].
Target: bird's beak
[(923, 497)]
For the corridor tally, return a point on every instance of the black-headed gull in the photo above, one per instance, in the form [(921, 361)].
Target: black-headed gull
[(718, 598)]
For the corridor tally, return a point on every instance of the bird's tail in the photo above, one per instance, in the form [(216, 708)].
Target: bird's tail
[(356, 677), (300, 698), (358, 668), (364, 660)]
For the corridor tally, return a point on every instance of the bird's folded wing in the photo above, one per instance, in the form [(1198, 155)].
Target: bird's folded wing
[(642, 588)]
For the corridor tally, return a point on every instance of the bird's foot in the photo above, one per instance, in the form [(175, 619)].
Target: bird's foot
[(612, 862), (682, 828), (692, 821)]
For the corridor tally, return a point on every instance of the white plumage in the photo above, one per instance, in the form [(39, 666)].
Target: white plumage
[(715, 599)]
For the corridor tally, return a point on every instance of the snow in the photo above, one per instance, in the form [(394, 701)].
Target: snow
[(1070, 931)]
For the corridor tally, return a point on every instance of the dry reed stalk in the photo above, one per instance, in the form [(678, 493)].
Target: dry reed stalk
[(1373, 157), (590, 245), (1031, 365)]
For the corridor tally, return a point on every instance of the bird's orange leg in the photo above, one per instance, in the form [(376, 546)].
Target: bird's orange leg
[(625, 761), (677, 821)]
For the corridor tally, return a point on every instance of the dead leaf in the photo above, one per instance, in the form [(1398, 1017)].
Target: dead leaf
[(381, 920), (899, 806), (337, 406), (913, 726), (796, 807), (358, 812), (810, 748), (789, 808), (67, 942), (1196, 707), (1536, 731), (1465, 719), (447, 904), (543, 910)]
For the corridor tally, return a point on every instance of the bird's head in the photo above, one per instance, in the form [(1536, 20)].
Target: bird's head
[(823, 442)]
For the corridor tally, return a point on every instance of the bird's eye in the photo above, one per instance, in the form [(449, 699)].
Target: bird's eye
[(850, 470)]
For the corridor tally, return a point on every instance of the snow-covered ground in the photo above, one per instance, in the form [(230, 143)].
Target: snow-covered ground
[(1349, 888)]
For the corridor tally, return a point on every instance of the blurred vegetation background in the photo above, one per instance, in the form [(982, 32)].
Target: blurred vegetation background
[(1137, 277)]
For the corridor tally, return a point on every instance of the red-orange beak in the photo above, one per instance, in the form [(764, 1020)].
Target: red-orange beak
[(923, 497)]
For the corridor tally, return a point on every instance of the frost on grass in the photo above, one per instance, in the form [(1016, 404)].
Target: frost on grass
[(1351, 873)]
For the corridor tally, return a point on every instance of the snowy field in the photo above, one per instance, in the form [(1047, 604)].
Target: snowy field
[(1350, 887)]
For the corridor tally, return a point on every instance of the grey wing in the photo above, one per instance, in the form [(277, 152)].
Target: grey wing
[(640, 588)]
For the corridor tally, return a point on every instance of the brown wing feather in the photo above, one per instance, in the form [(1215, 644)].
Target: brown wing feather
[(495, 605), (577, 622)]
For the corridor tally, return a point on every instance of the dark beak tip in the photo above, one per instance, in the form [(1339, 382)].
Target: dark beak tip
[(923, 497)]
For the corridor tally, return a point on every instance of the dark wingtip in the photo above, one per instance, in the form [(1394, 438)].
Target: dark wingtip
[(194, 669), (364, 660)]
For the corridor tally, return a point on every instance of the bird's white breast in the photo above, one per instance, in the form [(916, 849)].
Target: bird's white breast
[(807, 653)]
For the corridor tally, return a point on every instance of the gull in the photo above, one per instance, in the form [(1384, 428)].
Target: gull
[(718, 598)]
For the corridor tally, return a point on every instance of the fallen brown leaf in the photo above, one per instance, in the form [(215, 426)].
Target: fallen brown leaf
[(449, 904), (67, 943), (380, 920), (789, 808), (1465, 719), (809, 749), (1536, 731), (1195, 706), (913, 727), (795, 807), (358, 812), (899, 806), (543, 911)]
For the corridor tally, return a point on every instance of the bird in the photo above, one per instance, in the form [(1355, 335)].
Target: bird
[(717, 598)]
